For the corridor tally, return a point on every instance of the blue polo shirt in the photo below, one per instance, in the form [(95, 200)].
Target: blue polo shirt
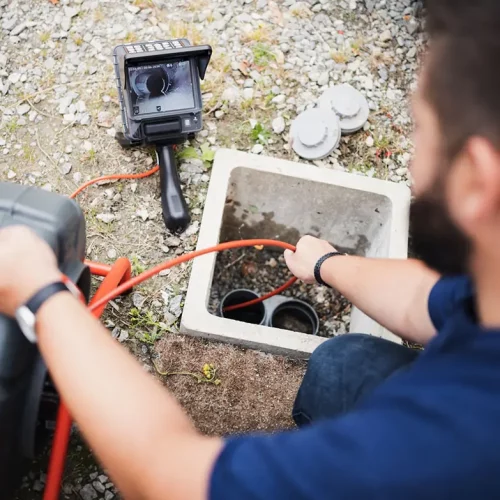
[(429, 432)]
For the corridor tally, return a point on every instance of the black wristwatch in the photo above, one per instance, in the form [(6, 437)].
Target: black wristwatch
[(26, 314), (317, 267)]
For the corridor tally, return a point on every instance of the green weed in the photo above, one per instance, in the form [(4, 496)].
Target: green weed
[(140, 320), (137, 267), (262, 55), (260, 134)]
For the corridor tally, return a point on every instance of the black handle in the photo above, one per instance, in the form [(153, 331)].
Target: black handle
[(175, 210)]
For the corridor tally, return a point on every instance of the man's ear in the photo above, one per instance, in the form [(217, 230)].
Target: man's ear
[(474, 185)]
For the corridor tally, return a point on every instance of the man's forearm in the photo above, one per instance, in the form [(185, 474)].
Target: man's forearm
[(136, 428), (392, 292)]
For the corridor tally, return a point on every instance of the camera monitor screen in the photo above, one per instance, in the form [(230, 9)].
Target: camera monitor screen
[(162, 87)]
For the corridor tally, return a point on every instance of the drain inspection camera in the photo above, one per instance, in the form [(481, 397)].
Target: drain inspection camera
[(160, 98)]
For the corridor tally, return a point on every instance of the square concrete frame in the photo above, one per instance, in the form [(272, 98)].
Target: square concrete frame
[(353, 194)]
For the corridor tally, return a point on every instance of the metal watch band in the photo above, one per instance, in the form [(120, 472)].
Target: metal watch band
[(317, 267), (45, 293)]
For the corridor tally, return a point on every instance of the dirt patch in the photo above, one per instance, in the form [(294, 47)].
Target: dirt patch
[(256, 392), (262, 272)]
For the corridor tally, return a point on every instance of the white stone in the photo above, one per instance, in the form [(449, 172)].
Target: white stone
[(105, 119), (18, 29), (14, 78), (314, 76), (81, 107), (369, 141), (248, 94), (65, 168), (71, 11), (231, 95), (133, 8), (279, 125), (257, 149), (279, 99), (368, 83), (385, 36), (323, 78), (23, 109), (106, 218), (143, 214)]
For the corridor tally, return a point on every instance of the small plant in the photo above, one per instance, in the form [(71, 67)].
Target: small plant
[(146, 320), (78, 40), (301, 10), (261, 34), (269, 97), (210, 371), (385, 146), (144, 4), (363, 167), (356, 46), (208, 374), (12, 126), (99, 15), (262, 55), (188, 153), (207, 154), (90, 156), (260, 134), (137, 267), (44, 37), (28, 153), (246, 104), (49, 79), (340, 57), (130, 37)]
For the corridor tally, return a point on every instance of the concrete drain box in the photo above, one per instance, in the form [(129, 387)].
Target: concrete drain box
[(358, 214)]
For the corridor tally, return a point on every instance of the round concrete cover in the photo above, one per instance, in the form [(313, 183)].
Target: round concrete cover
[(350, 105), (315, 133)]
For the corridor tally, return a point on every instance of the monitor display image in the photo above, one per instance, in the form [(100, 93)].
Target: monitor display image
[(161, 87)]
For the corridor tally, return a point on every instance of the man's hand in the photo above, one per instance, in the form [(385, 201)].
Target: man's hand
[(27, 264), (309, 251)]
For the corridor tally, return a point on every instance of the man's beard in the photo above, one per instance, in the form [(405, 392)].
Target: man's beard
[(435, 238)]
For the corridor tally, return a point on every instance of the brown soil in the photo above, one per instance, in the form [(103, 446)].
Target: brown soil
[(256, 393)]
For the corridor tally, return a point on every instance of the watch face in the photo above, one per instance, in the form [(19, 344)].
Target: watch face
[(26, 320)]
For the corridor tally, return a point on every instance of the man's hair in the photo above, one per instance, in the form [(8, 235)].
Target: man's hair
[(462, 75)]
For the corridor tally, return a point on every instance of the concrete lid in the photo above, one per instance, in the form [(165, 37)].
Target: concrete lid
[(350, 105), (315, 133)]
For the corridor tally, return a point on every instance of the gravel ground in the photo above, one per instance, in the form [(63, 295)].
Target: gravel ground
[(272, 59)]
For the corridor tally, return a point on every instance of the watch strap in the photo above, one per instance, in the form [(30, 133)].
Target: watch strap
[(317, 267), (37, 300)]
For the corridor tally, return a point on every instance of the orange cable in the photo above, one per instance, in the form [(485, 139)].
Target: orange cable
[(112, 177), (152, 171), (136, 280)]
